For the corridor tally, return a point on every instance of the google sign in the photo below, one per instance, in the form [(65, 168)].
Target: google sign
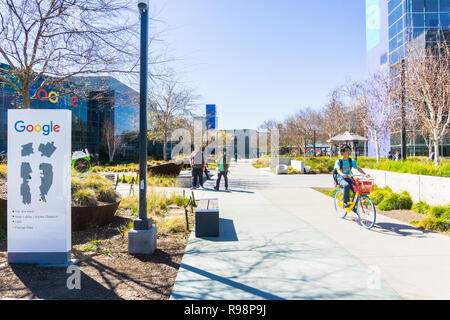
[(46, 129), (54, 97)]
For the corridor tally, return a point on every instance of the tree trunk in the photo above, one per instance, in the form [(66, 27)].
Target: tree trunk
[(377, 150), (26, 102), (165, 149), (436, 154)]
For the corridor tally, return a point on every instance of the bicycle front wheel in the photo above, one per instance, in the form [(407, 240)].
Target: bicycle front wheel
[(366, 212), (339, 203)]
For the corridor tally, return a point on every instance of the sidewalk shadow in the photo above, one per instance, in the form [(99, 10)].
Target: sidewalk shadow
[(51, 284), (231, 191), (227, 232), (257, 292), (401, 230)]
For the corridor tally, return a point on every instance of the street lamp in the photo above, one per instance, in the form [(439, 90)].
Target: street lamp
[(143, 223), (142, 239)]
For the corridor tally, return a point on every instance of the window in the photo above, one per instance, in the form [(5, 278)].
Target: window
[(444, 6), (431, 6), (395, 15), (431, 20), (431, 35), (418, 20), (393, 4), (418, 5), (445, 20), (417, 32)]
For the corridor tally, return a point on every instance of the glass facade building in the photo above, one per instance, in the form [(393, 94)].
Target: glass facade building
[(101, 105), (400, 23), (424, 22)]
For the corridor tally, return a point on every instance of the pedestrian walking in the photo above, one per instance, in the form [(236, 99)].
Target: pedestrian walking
[(222, 170), (397, 156), (432, 156), (390, 157), (198, 165)]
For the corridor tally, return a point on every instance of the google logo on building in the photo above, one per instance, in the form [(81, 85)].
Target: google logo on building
[(46, 129), (54, 97)]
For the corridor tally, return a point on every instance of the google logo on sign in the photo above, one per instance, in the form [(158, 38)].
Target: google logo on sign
[(46, 129)]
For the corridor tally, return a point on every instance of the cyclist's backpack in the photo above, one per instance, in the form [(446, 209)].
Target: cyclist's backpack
[(341, 166)]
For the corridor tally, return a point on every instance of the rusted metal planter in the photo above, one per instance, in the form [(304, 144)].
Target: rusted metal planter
[(169, 169), (83, 218)]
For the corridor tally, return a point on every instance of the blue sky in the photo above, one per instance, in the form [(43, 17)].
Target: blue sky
[(264, 59)]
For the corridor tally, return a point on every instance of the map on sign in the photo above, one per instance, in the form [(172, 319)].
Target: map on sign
[(46, 171)]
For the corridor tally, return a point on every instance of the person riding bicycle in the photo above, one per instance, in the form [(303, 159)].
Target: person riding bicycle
[(343, 167)]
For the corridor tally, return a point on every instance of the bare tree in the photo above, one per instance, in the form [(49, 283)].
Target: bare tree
[(170, 106), (371, 103), (334, 115), (112, 141), (427, 83), (46, 42)]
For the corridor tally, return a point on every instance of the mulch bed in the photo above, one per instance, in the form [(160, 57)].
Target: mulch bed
[(107, 270)]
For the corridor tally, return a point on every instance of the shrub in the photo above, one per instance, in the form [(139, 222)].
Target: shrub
[(3, 170), (84, 197), (107, 194), (421, 207), (434, 224), (440, 212), (378, 195), (76, 184), (172, 224), (131, 203), (96, 181), (396, 201)]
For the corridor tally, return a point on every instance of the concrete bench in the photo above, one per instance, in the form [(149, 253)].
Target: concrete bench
[(207, 218)]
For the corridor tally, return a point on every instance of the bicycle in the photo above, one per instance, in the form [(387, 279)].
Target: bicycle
[(365, 208)]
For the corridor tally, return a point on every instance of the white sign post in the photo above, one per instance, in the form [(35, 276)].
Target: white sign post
[(39, 186)]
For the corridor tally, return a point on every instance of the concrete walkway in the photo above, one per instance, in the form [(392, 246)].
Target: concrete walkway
[(280, 239), (266, 252)]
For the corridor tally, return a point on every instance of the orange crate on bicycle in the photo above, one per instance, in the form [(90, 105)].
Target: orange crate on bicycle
[(364, 186)]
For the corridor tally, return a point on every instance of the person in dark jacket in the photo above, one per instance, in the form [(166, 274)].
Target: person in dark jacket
[(222, 170), (197, 162)]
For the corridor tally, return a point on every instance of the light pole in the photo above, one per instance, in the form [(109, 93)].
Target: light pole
[(142, 238), (143, 223)]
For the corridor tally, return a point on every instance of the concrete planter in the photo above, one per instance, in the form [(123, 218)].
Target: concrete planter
[(281, 160), (82, 217), (298, 165), (433, 190), (282, 169)]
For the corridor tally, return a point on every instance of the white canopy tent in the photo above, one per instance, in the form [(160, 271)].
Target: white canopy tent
[(348, 138)]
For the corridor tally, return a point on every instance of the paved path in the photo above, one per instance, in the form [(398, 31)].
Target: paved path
[(279, 239)]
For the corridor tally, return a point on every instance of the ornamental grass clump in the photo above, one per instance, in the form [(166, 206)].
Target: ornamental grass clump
[(84, 197), (396, 201), (421, 207), (96, 181), (378, 195), (107, 194), (438, 219)]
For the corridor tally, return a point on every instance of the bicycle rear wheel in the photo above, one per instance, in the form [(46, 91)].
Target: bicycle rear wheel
[(366, 212), (339, 203)]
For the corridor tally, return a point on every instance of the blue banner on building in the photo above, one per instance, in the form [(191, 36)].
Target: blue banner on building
[(211, 116)]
